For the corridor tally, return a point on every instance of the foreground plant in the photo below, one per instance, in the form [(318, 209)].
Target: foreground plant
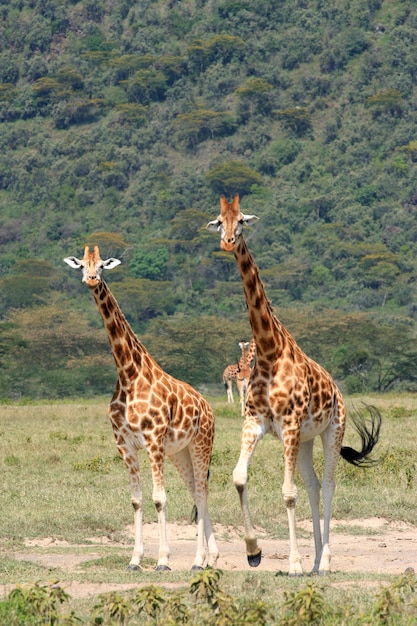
[(308, 606), (38, 604)]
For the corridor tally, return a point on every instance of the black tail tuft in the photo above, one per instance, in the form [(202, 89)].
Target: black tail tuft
[(369, 436)]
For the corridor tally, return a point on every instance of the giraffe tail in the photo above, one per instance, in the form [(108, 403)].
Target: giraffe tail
[(369, 435)]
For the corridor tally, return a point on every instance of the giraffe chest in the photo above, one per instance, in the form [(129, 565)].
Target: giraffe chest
[(168, 418)]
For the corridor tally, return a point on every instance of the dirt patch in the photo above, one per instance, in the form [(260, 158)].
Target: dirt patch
[(373, 545)]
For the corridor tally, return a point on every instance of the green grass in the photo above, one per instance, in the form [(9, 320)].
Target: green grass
[(62, 478)]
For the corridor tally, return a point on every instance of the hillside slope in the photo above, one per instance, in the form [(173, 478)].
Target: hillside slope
[(121, 124)]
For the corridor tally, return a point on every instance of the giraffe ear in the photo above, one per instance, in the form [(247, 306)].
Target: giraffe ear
[(248, 220), (214, 225), (108, 264), (72, 261)]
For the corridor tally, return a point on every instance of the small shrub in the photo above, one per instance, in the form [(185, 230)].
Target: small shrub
[(308, 606), (38, 604)]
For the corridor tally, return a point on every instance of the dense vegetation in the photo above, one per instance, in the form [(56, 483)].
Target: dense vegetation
[(123, 122)]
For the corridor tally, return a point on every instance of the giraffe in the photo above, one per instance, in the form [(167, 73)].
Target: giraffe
[(153, 411), (244, 371), (293, 398), (231, 372)]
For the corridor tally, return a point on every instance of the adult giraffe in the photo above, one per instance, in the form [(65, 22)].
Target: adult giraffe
[(151, 410), (291, 397)]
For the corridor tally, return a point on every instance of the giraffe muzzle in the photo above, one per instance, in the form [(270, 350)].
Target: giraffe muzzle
[(227, 244)]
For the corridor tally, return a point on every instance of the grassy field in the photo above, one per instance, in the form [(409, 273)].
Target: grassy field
[(62, 478)]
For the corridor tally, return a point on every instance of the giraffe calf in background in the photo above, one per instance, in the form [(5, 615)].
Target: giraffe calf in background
[(152, 411), (228, 376), (244, 371), (240, 372)]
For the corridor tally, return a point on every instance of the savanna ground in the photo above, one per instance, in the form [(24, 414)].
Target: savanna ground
[(66, 514)]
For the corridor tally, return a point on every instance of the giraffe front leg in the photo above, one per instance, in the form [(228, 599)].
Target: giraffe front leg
[(159, 500), (138, 545), (131, 461), (240, 477), (295, 568), (136, 497)]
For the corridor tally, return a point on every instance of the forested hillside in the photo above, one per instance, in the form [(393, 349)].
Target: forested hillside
[(122, 122)]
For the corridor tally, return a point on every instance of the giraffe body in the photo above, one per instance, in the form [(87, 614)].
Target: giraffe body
[(153, 411), (291, 397)]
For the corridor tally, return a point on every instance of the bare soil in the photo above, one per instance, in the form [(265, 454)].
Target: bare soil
[(373, 545)]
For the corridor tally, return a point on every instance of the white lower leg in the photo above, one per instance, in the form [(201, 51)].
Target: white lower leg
[(163, 555), (213, 551), (138, 545)]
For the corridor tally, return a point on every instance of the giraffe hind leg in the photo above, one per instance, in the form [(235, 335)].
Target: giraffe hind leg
[(196, 482), (332, 441), (312, 484)]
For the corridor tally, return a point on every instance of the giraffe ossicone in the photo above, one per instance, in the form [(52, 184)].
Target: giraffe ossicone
[(293, 398), (153, 411)]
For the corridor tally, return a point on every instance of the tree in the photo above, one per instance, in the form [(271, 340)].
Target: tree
[(386, 101), (149, 262), (297, 119), (232, 177), (183, 340), (256, 92), (146, 85), (202, 124)]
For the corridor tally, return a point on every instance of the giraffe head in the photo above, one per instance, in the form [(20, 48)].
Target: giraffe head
[(230, 223), (92, 265)]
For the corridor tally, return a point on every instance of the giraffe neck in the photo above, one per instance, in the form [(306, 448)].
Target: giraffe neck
[(245, 359), (270, 336), (251, 351), (130, 356)]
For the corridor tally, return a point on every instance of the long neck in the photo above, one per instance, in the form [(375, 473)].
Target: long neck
[(268, 332), (129, 354)]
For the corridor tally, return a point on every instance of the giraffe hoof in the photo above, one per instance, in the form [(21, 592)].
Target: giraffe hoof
[(133, 568), (197, 568), (255, 559), (162, 568)]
